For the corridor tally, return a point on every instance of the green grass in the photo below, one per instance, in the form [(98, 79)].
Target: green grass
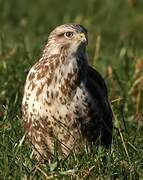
[(115, 49)]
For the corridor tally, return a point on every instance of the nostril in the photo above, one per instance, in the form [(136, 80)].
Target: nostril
[(82, 35)]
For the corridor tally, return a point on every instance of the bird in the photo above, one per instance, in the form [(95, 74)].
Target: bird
[(65, 104)]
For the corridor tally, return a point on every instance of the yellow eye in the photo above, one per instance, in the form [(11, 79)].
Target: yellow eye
[(69, 34)]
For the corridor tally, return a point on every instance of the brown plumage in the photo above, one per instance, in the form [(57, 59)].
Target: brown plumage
[(65, 103)]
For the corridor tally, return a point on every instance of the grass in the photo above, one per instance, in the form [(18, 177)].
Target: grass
[(115, 49)]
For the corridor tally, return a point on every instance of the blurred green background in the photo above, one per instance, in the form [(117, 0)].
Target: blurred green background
[(115, 49)]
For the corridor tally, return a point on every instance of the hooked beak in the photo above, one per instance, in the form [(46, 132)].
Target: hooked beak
[(83, 38)]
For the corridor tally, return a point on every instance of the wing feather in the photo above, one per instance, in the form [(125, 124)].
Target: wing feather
[(98, 89)]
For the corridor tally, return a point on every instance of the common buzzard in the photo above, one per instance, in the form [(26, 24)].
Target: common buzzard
[(65, 104)]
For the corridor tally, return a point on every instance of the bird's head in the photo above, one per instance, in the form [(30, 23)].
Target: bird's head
[(70, 36)]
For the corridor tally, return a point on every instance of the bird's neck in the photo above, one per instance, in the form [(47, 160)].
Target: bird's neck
[(65, 63), (66, 70), (74, 63)]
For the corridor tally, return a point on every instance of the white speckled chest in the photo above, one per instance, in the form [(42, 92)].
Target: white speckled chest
[(54, 110)]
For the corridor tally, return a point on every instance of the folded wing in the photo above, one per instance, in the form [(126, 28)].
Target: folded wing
[(98, 89)]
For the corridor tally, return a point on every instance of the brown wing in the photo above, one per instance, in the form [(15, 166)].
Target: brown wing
[(98, 89)]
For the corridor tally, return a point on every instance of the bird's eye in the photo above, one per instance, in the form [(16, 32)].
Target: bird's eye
[(68, 34)]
